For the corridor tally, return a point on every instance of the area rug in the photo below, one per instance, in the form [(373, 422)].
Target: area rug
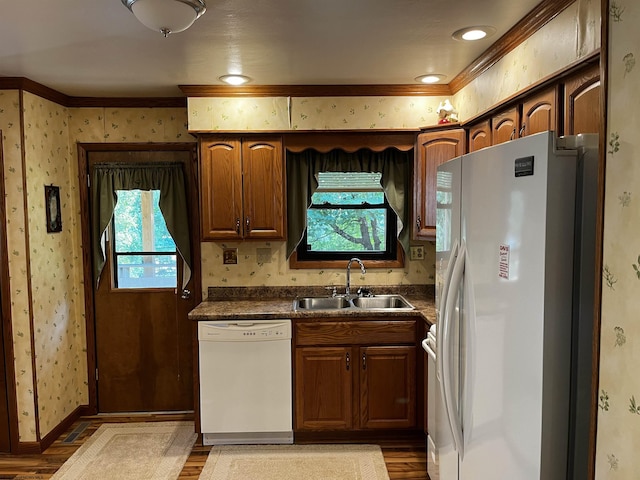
[(146, 450), (295, 462)]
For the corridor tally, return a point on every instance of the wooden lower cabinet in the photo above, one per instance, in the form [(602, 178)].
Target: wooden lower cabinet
[(353, 387)]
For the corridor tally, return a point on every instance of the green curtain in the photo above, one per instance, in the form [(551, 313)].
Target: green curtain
[(302, 182), (168, 178)]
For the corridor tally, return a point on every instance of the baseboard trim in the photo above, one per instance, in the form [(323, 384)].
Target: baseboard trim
[(62, 427)]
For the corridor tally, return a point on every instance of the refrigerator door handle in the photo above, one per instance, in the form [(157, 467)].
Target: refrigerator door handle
[(443, 300), (450, 403)]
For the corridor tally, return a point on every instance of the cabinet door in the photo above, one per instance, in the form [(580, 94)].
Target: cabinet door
[(221, 189), (480, 136), (505, 126), (582, 102), (433, 149), (387, 387), (539, 113), (263, 176), (323, 388)]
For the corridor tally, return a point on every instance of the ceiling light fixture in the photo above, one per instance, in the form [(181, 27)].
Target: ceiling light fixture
[(474, 33), (234, 79), (430, 78), (166, 16)]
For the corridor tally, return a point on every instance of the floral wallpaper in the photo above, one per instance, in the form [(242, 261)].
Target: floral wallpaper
[(254, 114), (571, 35), (312, 113), (55, 266), (251, 270), (618, 440), (363, 113), (10, 117)]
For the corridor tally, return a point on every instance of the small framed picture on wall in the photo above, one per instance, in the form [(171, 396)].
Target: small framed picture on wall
[(52, 207)]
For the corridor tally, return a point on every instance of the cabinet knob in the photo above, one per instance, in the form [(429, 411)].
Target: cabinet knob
[(238, 226), (418, 223), (348, 360), (364, 361)]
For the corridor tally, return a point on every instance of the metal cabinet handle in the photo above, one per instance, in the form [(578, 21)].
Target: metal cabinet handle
[(524, 125), (238, 225), (419, 223), (247, 224), (513, 134), (348, 361), (364, 361)]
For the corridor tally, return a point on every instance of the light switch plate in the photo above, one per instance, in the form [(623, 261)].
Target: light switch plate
[(416, 252)]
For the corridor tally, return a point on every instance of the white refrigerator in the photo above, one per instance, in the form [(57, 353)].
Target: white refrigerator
[(515, 269)]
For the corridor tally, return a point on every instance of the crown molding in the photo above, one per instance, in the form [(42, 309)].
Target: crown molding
[(314, 90), (542, 14)]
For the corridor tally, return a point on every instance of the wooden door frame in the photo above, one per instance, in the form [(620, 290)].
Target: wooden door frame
[(6, 331), (84, 149)]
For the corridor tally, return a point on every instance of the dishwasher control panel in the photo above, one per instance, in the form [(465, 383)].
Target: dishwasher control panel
[(244, 330)]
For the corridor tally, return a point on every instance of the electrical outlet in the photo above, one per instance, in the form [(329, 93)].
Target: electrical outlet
[(416, 252)]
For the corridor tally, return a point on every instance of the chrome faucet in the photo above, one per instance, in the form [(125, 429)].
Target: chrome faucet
[(348, 286)]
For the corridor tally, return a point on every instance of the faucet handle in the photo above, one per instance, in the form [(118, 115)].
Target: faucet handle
[(333, 289), (365, 292)]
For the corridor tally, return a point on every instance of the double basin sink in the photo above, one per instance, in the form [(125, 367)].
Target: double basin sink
[(374, 302)]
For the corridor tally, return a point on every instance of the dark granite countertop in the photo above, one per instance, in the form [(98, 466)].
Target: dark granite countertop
[(254, 303)]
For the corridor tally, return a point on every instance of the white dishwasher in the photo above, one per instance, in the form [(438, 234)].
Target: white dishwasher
[(245, 382)]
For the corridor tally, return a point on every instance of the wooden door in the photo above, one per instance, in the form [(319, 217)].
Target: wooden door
[(433, 149), (582, 102), (221, 188), (263, 187), (505, 126), (323, 388), (144, 350), (144, 342), (539, 113), (480, 136), (387, 387)]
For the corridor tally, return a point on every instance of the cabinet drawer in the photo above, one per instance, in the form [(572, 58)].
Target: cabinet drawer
[(379, 332)]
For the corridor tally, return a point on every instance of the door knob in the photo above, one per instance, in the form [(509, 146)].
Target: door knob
[(185, 294)]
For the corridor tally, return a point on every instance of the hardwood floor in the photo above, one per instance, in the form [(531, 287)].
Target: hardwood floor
[(404, 460)]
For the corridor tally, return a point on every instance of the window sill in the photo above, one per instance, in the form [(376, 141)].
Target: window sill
[(294, 263)]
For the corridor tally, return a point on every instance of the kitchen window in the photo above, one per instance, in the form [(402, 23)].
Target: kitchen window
[(344, 204), (349, 216), (144, 252)]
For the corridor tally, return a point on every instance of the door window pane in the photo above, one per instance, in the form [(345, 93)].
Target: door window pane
[(144, 252)]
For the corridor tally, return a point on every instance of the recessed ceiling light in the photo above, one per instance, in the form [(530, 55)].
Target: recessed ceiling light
[(234, 79), (474, 33), (430, 78)]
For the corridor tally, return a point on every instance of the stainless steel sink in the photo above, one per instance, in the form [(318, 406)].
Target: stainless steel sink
[(375, 302), (321, 303), (382, 302)]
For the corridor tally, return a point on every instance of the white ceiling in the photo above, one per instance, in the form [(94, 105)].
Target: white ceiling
[(97, 48)]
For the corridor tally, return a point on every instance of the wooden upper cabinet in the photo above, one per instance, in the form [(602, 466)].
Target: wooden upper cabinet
[(263, 188), (582, 102), (539, 113), (241, 188), (433, 149), (505, 126), (480, 136)]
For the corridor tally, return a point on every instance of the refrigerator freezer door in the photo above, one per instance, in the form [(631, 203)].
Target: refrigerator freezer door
[(447, 238), (517, 224)]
